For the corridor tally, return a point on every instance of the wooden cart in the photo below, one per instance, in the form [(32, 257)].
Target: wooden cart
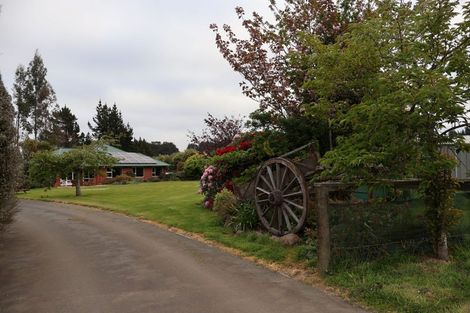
[(281, 193)]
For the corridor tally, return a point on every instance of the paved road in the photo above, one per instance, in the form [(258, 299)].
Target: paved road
[(64, 258)]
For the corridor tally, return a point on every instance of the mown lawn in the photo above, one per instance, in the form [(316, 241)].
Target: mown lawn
[(396, 283)]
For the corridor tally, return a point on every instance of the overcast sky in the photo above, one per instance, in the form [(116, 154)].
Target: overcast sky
[(156, 60)]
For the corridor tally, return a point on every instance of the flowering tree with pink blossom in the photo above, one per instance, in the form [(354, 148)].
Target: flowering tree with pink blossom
[(212, 181)]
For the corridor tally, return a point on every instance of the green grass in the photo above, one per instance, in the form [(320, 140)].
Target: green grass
[(405, 283), (396, 283)]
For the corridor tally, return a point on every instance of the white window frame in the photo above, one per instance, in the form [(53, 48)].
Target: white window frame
[(154, 172), (109, 172)]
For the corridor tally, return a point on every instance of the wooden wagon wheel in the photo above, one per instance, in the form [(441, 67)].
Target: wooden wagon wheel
[(281, 197)]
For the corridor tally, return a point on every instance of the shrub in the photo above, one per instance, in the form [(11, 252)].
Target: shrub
[(122, 179), (224, 204), (212, 181), (177, 159), (194, 166), (244, 217)]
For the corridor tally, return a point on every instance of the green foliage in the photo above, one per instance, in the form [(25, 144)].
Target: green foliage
[(64, 131), (86, 158), (33, 96), (244, 217), (290, 133), (109, 125), (194, 166), (153, 148), (395, 106), (406, 283), (28, 148), (438, 189), (177, 159), (395, 81), (45, 166), (119, 180), (225, 203), (9, 158)]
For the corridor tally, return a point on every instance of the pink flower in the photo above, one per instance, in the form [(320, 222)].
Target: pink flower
[(208, 204)]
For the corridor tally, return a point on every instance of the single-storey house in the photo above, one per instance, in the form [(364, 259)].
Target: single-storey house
[(129, 163)]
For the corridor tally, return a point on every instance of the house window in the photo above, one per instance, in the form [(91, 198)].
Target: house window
[(89, 175), (109, 173), (138, 171), (156, 171), (117, 171)]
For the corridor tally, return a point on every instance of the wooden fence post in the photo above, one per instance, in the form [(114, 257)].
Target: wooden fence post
[(323, 228)]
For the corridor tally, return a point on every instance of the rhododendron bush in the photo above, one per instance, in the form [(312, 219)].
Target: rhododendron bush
[(226, 164), (237, 163)]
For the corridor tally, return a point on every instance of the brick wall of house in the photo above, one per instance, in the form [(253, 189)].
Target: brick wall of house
[(147, 173), (100, 176)]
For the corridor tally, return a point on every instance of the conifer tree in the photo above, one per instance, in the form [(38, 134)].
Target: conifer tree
[(64, 131), (109, 125), (8, 157)]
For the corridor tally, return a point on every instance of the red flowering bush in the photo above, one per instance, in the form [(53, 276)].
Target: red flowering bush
[(244, 145), (225, 150), (228, 163)]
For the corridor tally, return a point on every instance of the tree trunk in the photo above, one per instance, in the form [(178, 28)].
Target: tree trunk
[(78, 190), (330, 134), (442, 248), (18, 127)]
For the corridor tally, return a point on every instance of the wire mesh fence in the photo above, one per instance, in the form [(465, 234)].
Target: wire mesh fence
[(393, 221)]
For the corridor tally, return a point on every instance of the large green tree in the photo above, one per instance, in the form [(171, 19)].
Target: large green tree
[(108, 124), (64, 130), (34, 97), (271, 76), (8, 157), (47, 165), (20, 95), (85, 158), (397, 81)]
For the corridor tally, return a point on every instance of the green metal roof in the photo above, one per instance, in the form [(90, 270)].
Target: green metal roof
[(126, 159)]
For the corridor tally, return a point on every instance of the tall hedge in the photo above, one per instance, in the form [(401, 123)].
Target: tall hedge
[(8, 158)]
